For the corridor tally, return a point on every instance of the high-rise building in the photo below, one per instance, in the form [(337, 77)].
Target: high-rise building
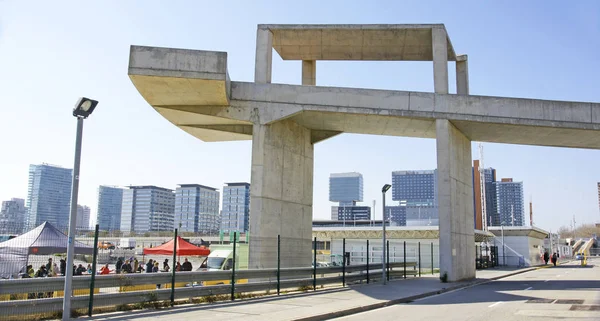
[(147, 209), (346, 188), (13, 216), (415, 188), (197, 209), (396, 215), (83, 218), (350, 213), (490, 196), (108, 215), (235, 214), (416, 192), (509, 202), (49, 195), (598, 194)]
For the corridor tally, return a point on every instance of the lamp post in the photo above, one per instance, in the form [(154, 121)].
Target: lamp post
[(503, 247), (384, 189), (82, 110)]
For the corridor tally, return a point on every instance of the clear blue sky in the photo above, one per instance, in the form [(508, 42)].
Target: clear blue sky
[(53, 52)]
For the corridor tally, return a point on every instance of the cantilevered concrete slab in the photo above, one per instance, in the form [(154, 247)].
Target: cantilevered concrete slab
[(192, 90), (400, 42)]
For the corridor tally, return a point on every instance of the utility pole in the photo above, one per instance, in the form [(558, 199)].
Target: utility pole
[(482, 188), (512, 215)]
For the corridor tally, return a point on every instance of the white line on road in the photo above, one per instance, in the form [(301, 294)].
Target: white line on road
[(529, 288), (495, 304)]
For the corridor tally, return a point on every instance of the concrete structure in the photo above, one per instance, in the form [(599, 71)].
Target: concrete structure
[(83, 217), (108, 215), (521, 241), (235, 213), (13, 215), (49, 195), (147, 209), (197, 209), (192, 89)]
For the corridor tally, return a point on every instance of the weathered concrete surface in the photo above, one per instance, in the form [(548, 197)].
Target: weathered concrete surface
[(309, 72), (264, 56), (440, 60), (455, 198), (408, 42), (462, 75), (281, 195)]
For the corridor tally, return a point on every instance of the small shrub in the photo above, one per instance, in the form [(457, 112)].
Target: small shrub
[(444, 277)]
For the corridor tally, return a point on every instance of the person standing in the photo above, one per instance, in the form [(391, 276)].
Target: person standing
[(166, 266), (119, 265), (554, 258), (546, 257), (149, 266), (186, 266), (63, 267), (136, 264)]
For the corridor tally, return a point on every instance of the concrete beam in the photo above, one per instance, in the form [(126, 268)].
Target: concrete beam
[(455, 198), (440, 60), (281, 195), (309, 72), (321, 135), (462, 75), (264, 56)]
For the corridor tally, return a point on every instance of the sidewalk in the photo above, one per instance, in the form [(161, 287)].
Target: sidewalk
[(320, 305)]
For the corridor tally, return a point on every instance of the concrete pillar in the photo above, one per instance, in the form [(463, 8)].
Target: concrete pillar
[(462, 75), (455, 201), (440, 60), (264, 56), (281, 195), (309, 72)]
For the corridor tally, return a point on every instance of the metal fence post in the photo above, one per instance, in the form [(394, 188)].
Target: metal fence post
[(233, 268), (278, 263), (94, 259), (387, 264), (315, 265), (173, 268), (431, 258), (404, 259), (367, 261), (344, 262), (419, 259)]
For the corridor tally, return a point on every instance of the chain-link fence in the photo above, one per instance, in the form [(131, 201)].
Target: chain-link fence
[(129, 273)]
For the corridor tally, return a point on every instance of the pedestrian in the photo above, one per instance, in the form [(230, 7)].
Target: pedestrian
[(177, 267), (30, 271), (554, 258), (49, 265), (55, 269), (186, 266), (119, 265), (136, 264), (63, 267), (166, 266), (89, 269), (149, 266), (546, 257), (104, 270), (155, 270)]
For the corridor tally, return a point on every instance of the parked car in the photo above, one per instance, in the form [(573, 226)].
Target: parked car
[(579, 256), (103, 245)]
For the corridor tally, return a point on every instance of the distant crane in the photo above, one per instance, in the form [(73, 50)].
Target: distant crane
[(482, 188)]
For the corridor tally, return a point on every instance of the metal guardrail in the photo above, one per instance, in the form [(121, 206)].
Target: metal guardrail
[(260, 280)]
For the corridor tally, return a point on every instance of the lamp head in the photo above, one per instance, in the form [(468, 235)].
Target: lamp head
[(385, 188), (84, 107)]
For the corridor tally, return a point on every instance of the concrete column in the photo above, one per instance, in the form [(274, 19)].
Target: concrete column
[(440, 60), (281, 195), (309, 72), (264, 56), (462, 75), (455, 201)]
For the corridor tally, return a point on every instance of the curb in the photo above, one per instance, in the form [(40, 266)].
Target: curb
[(365, 308)]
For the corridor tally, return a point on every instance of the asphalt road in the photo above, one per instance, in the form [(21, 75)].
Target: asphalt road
[(534, 295)]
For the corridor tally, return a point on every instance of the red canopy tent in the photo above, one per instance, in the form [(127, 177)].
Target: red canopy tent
[(183, 248)]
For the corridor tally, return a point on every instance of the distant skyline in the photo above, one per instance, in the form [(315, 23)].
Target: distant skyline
[(49, 58)]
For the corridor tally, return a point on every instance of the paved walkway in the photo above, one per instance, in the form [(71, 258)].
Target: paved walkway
[(318, 305)]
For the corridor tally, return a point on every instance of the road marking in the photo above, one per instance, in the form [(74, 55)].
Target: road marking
[(529, 288), (495, 304)]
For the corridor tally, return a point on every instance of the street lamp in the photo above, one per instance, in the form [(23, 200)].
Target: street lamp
[(82, 110), (384, 189), (503, 247)]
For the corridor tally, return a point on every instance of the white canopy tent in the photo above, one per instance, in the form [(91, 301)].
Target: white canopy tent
[(42, 240)]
